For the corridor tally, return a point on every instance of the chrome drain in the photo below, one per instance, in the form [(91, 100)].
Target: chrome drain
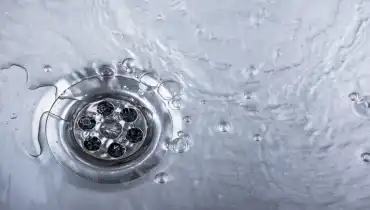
[(114, 122), (110, 129)]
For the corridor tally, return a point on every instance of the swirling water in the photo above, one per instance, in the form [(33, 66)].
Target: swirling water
[(267, 85)]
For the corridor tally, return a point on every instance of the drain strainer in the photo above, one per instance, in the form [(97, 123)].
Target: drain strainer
[(114, 122), (110, 129)]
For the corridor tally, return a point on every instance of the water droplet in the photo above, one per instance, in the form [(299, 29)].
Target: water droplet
[(257, 137), (13, 116), (106, 70), (176, 103), (141, 92), (129, 70), (180, 133), (247, 95), (224, 126), (361, 107), (365, 157), (160, 17), (170, 89), (128, 65), (47, 68), (203, 101), (150, 80), (179, 145), (161, 178), (187, 119), (354, 96), (85, 134)]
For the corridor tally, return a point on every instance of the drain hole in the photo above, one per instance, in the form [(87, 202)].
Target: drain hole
[(116, 150), (128, 114), (134, 135), (105, 108), (86, 123), (92, 143), (111, 129)]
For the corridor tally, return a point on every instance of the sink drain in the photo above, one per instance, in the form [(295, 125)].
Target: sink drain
[(113, 123), (110, 129)]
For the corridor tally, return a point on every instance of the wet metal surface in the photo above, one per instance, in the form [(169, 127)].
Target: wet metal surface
[(273, 95)]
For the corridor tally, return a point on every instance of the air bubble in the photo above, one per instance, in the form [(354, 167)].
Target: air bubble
[(141, 92), (257, 137), (179, 145), (170, 89), (180, 133), (365, 157), (247, 95), (129, 70), (354, 96), (13, 116), (47, 68), (224, 126), (161, 178), (150, 80), (127, 65), (187, 119), (176, 104), (361, 106)]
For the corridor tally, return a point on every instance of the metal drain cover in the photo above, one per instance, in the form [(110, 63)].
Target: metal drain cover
[(113, 124)]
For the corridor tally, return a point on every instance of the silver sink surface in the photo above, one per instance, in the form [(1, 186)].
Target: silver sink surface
[(275, 104)]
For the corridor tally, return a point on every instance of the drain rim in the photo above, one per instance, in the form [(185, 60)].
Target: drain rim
[(145, 165)]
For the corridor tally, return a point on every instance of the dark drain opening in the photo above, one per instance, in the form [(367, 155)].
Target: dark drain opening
[(116, 150), (86, 123), (128, 115), (134, 135), (105, 108), (92, 143)]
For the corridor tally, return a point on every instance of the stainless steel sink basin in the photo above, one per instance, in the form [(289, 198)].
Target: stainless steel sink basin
[(259, 104)]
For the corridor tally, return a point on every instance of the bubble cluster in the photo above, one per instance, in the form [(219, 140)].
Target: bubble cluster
[(179, 145)]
